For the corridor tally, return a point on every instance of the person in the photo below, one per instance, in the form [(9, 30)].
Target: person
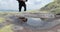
[(22, 4)]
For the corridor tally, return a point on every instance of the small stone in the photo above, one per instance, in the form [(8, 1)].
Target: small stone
[(21, 28), (58, 30), (18, 28), (51, 31)]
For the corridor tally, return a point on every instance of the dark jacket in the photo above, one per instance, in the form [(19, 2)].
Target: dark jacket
[(20, 1)]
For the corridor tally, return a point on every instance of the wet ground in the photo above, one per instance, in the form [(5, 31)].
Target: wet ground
[(32, 25)]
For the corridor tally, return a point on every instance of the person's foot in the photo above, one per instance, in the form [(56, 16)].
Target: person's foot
[(19, 11)]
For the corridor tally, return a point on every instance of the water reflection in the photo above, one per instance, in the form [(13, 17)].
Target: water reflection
[(35, 22)]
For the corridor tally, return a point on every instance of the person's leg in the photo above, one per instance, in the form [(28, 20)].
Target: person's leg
[(20, 7), (25, 7)]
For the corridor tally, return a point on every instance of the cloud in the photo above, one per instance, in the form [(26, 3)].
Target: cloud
[(31, 4)]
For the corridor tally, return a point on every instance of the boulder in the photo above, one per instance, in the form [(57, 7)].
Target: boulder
[(22, 19)]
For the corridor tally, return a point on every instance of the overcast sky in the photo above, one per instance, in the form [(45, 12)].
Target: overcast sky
[(31, 4)]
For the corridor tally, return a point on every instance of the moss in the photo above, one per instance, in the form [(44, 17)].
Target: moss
[(6, 29), (1, 19)]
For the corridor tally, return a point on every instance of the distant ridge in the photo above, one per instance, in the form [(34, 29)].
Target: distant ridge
[(53, 6)]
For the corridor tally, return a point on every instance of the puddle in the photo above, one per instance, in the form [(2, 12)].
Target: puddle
[(35, 22), (32, 23)]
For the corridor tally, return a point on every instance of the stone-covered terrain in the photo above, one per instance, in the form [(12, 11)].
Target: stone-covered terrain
[(10, 22)]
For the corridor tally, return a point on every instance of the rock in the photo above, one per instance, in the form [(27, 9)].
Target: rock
[(23, 19), (58, 14)]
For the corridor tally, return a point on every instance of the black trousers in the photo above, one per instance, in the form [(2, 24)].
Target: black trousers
[(22, 5)]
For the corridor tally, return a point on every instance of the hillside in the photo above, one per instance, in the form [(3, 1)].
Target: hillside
[(53, 7)]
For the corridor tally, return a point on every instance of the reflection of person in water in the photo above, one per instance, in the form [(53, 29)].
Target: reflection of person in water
[(22, 3)]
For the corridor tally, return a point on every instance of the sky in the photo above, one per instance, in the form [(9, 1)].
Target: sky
[(31, 4)]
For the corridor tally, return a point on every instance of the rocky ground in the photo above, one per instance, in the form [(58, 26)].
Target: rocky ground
[(17, 26)]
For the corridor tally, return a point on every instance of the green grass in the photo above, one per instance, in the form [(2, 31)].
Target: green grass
[(6, 29), (53, 5), (56, 11), (1, 19)]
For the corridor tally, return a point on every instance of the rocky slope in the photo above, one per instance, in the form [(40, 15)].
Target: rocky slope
[(53, 7)]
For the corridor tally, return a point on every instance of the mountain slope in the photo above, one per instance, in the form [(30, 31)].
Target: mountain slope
[(53, 7)]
